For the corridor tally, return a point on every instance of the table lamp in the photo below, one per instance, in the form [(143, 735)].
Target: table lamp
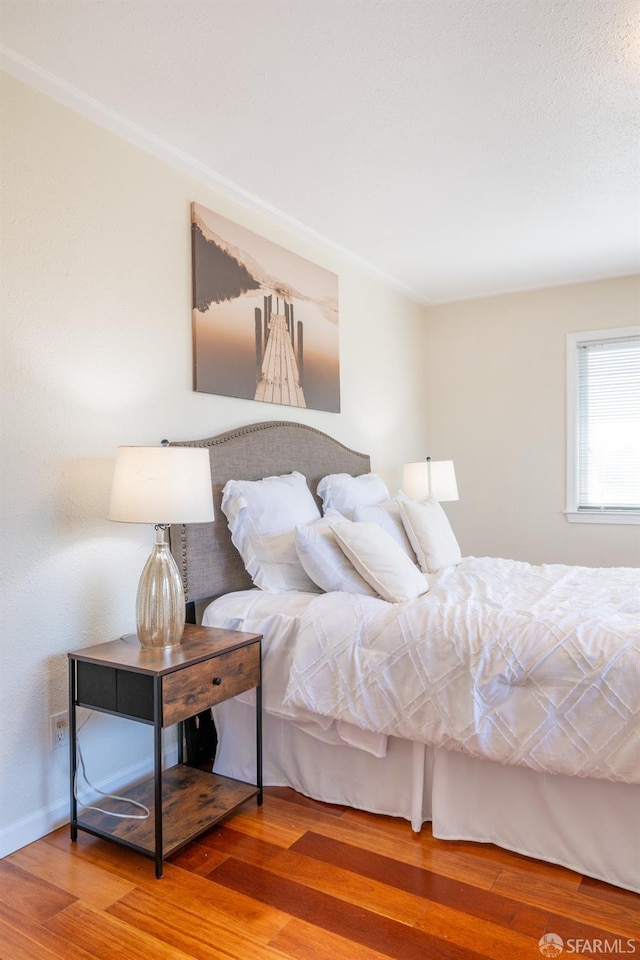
[(430, 478), (161, 485)]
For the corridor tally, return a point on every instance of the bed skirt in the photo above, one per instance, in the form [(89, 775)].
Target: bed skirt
[(590, 826)]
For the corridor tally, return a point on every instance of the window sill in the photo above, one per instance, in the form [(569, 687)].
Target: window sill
[(609, 516)]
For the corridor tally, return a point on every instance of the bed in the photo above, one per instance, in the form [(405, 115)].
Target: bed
[(531, 796)]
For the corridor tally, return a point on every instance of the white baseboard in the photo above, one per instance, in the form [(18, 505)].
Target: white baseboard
[(49, 818)]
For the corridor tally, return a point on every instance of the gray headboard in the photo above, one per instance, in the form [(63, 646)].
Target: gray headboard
[(208, 562)]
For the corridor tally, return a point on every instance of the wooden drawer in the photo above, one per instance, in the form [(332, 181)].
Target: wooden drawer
[(189, 691)]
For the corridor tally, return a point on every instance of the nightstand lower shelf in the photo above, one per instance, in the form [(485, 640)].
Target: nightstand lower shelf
[(193, 801)]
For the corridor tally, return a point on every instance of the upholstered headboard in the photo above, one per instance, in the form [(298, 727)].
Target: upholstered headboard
[(208, 562)]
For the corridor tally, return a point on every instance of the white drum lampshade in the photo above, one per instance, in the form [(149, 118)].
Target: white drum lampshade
[(430, 478), (161, 485)]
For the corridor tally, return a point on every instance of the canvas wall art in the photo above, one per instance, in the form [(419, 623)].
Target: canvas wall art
[(265, 321)]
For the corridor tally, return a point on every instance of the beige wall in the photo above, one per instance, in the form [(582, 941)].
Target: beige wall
[(97, 352), (496, 402)]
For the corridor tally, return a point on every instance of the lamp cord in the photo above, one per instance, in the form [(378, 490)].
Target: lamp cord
[(109, 796)]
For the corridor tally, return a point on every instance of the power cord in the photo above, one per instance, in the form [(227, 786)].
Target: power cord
[(109, 796)]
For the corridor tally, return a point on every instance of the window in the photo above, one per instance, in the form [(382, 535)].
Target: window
[(603, 404)]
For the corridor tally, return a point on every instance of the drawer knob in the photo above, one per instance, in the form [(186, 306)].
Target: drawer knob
[(217, 681)]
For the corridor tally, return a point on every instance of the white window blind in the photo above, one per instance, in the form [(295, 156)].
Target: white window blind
[(608, 424)]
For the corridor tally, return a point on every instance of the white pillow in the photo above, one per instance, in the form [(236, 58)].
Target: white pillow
[(387, 515), (430, 534), (324, 561), (342, 492), (262, 516), (378, 558)]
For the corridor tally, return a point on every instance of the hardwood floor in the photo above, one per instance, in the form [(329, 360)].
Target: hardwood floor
[(301, 880)]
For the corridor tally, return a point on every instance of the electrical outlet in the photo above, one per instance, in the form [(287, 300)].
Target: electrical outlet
[(58, 730)]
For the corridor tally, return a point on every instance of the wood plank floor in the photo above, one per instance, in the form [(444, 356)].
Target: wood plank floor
[(301, 880)]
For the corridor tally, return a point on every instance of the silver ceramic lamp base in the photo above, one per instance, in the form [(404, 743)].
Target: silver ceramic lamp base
[(160, 608)]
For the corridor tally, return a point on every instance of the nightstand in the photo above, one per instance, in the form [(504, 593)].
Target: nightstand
[(163, 687)]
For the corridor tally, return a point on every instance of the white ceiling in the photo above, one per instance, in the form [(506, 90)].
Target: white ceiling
[(457, 147)]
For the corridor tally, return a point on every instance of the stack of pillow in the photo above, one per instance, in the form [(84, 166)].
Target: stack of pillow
[(365, 541)]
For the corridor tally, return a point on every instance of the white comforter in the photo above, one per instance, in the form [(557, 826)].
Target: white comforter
[(520, 664)]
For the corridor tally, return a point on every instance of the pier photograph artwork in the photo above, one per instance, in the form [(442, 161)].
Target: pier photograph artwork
[(265, 320)]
